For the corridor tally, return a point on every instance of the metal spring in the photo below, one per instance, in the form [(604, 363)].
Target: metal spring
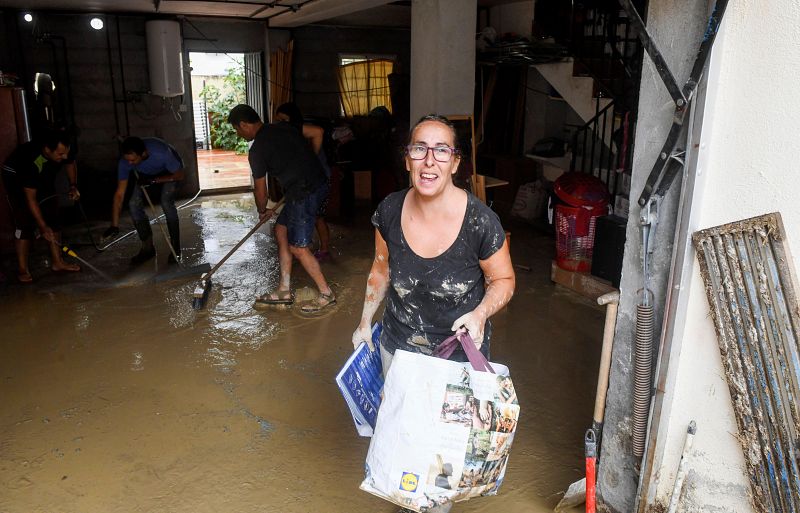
[(642, 376)]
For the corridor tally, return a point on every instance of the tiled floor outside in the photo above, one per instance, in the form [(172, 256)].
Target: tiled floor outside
[(220, 169)]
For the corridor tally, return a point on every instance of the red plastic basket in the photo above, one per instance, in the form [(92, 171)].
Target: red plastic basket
[(575, 236), (583, 198)]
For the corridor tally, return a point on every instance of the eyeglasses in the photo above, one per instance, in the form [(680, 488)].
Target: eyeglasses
[(440, 153)]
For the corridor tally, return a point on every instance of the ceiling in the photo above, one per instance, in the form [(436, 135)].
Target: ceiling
[(278, 13)]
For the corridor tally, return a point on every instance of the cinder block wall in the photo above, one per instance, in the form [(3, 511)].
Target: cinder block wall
[(102, 83), (85, 63), (88, 68)]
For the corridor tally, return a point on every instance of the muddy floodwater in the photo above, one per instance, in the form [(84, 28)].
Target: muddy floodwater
[(119, 397)]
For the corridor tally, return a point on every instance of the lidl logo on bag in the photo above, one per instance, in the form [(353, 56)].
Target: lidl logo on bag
[(409, 482)]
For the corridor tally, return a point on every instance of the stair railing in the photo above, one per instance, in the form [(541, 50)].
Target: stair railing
[(601, 147)]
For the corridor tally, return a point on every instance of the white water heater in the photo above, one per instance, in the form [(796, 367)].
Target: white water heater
[(165, 57)]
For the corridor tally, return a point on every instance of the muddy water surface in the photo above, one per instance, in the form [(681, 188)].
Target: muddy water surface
[(122, 398)]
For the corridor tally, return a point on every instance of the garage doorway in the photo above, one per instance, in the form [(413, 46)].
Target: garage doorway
[(219, 83)]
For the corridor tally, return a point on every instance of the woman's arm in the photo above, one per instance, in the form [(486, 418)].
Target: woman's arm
[(499, 275), (377, 284)]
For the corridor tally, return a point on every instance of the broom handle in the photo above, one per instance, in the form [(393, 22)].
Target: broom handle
[(612, 300), (160, 226), (238, 244)]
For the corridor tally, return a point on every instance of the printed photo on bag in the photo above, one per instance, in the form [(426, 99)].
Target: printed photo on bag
[(506, 418), (457, 405), (499, 446), (505, 390), (482, 414), (492, 473), (478, 445), (444, 475), (470, 475)]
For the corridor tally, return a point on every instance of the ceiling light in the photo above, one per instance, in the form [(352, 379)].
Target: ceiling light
[(96, 23), (28, 17)]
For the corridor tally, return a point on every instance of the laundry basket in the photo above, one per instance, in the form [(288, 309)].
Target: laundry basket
[(582, 198)]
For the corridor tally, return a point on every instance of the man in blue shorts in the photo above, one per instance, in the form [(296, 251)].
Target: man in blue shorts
[(154, 163), (280, 151)]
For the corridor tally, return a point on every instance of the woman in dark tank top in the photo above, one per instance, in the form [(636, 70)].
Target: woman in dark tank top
[(441, 259)]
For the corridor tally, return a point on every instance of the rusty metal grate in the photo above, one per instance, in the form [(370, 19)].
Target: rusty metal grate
[(751, 290)]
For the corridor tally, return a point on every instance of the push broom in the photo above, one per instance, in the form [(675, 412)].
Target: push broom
[(183, 270), (200, 295)]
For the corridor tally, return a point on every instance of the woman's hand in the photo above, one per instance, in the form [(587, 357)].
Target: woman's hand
[(473, 322), (363, 334)]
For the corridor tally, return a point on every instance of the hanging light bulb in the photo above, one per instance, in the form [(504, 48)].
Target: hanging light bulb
[(27, 17), (96, 23)]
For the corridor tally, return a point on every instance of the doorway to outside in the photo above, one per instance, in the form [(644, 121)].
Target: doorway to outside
[(219, 83)]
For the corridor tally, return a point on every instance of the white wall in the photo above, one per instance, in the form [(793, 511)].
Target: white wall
[(747, 166)]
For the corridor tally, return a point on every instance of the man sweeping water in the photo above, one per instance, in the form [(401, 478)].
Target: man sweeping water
[(280, 150), (155, 163)]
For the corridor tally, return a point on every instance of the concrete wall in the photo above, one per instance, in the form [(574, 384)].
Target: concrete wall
[(316, 58), (8, 29), (513, 18), (217, 35), (677, 28), (442, 57), (545, 116), (746, 166)]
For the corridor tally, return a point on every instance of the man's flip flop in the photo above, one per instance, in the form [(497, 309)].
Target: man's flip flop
[(279, 297), (315, 306), (25, 278)]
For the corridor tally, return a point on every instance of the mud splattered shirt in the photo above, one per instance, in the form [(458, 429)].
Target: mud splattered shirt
[(426, 295)]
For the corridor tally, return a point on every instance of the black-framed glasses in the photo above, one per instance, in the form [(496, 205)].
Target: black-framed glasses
[(440, 153)]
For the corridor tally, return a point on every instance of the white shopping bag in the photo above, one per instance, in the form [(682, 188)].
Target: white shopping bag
[(444, 429), (530, 201)]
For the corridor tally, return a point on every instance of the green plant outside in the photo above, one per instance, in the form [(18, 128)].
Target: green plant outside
[(219, 102)]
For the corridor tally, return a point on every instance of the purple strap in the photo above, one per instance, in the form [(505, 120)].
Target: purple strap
[(475, 357)]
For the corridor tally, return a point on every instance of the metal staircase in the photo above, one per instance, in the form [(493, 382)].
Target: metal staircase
[(600, 81)]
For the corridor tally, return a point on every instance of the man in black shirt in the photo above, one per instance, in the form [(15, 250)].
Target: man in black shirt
[(29, 176), (280, 150)]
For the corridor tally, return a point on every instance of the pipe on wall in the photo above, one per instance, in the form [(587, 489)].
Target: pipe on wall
[(113, 80), (122, 78)]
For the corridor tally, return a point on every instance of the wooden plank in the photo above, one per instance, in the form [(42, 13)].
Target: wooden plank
[(584, 284)]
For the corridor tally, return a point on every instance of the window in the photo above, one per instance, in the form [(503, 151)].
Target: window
[(364, 83)]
